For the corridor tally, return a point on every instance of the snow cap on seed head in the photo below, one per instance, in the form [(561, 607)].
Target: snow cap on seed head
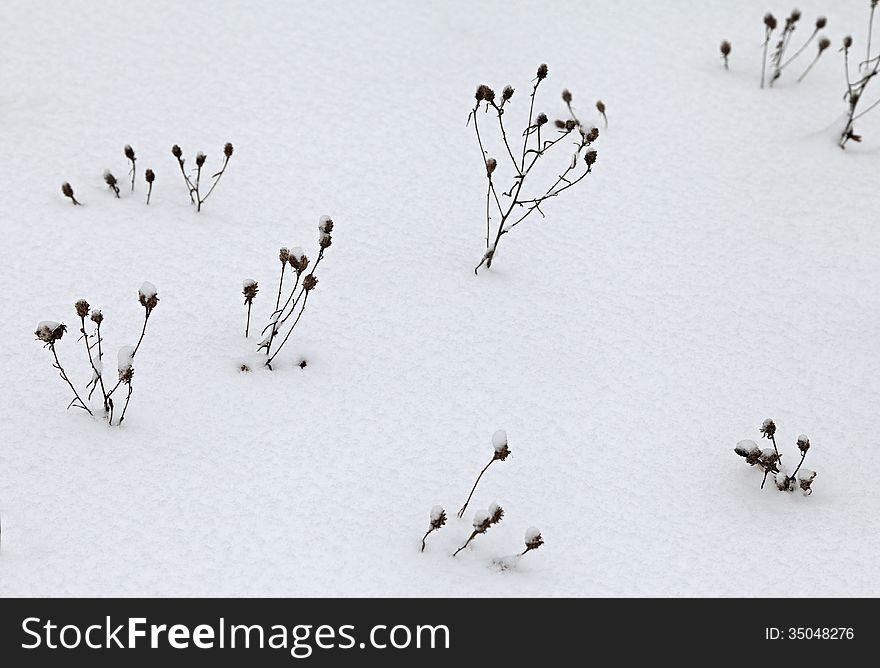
[(147, 296), (438, 517), (499, 442)]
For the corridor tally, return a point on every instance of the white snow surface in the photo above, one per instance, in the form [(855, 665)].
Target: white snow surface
[(661, 303)]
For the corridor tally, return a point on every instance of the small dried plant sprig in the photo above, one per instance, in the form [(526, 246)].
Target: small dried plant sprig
[(83, 311), (67, 191), (516, 208), (779, 64), (501, 452), (50, 333), (776, 60), (249, 289), (129, 154), (725, 53), (149, 176), (769, 27), (194, 186), (482, 521), (600, 107), (111, 182), (533, 540), (436, 520), (770, 461), (855, 88), (297, 297)]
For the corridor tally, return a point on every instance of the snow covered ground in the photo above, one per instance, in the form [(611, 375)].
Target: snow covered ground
[(719, 267)]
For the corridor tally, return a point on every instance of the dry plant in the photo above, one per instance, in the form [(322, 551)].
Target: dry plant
[(50, 332), (149, 176), (855, 88), (111, 182), (533, 540), (67, 191), (482, 521), (513, 206), (725, 53), (249, 289), (501, 452), (194, 184), (129, 154), (600, 107), (297, 294), (436, 521), (770, 461), (778, 60)]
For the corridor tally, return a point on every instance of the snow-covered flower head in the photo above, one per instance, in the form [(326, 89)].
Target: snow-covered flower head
[(283, 254), (499, 442), (147, 296), (124, 363), (438, 517), (249, 288), (496, 513), (533, 539), (482, 521), (82, 308), (97, 317), (784, 482), (805, 478), (803, 443), (50, 331), (325, 227), (298, 260), (768, 428)]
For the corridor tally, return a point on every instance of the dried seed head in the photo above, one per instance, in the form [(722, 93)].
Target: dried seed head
[(249, 288), (566, 96), (745, 447), (109, 179), (82, 308), (176, 152), (325, 224), (438, 517), (149, 176), (147, 296), (97, 317), (499, 443), (129, 152), (570, 124), (725, 48), (769, 460), (541, 119), (821, 22), (228, 149), (283, 255), (847, 41), (67, 190), (302, 264), (324, 241), (824, 43), (49, 331), (559, 123), (542, 71), (309, 282), (590, 157), (480, 95), (770, 21), (482, 521), (783, 482), (803, 443), (795, 15), (200, 159), (600, 106), (768, 428), (507, 93), (244, 368), (533, 539), (496, 513), (592, 135), (302, 364), (491, 164), (805, 478)]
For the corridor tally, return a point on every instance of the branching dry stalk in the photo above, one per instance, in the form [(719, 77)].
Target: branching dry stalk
[(194, 188), (298, 295), (770, 461), (776, 60), (517, 208), (855, 89), (482, 521), (769, 27), (501, 452)]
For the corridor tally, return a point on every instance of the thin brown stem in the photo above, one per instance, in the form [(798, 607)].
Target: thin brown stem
[(149, 192), (247, 325), (99, 376), (280, 283), (809, 67), (793, 476), (290, 331), (464, 507), (767, 33), (64, 377), (466, 543), (186, 180), (217, 177), (425, 537), (125, 407)]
